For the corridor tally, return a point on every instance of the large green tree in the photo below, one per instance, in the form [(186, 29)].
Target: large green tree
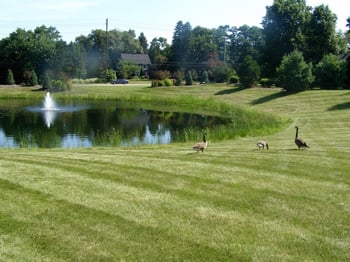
[(159, 53), (36, 50), (283, 27), (201, 48), (246, 41), (321, 37), (143, 43), (180, 45)]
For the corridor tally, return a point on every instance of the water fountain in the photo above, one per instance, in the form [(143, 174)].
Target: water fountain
[(49, 103), (49, 110)]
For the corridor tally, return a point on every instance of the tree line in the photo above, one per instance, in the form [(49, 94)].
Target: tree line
[(297, 47)]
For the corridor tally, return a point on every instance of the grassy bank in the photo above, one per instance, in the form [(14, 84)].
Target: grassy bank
[(155, 203)]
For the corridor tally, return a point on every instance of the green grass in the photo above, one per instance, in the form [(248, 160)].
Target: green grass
[(167, 203)]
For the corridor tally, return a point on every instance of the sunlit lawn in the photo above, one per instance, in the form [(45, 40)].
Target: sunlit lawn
[(233, 202)]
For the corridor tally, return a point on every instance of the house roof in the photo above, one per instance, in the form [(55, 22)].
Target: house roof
[(139, 59)]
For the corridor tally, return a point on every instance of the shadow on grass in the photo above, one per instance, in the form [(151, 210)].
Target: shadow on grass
[(268, 98), (342, 106), (229, 91)]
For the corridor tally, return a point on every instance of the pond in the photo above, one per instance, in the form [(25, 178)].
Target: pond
[(74, 123)]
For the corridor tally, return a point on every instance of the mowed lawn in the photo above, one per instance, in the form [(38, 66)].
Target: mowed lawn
[(233, 202)]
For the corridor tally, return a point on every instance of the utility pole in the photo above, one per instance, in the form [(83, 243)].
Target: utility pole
[(225, 50), (106, 52)]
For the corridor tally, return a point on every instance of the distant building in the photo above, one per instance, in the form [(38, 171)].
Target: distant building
[(142, 60)]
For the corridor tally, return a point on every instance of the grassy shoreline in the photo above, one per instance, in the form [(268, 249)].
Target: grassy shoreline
[(166, 202)]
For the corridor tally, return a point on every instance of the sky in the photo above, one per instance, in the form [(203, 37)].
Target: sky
[(154, 18)]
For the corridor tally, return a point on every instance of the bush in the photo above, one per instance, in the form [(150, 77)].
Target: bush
[(10, 80), (46, 81), (205, 78), (222, 73), (294, 73), (234, 79), (188, 79), (58, 85), (161, 74), (168, 82), (106, 76), (30, 78), (266, 82), (330, 72), (179, 77)]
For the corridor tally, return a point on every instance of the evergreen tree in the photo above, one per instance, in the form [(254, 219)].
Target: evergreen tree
[(205, 78), (294, 73), (188, 79), (10, 78), (46, 81), (248, 72)]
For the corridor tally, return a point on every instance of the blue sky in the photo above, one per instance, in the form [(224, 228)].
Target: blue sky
[(152, 17)]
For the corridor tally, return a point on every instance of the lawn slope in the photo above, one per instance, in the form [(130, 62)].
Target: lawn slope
[(165, 202)]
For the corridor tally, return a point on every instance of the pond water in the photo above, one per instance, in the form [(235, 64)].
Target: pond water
[(73, 124)]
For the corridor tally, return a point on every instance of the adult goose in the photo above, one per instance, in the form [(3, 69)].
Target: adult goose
[(200, 146), (299, 141)]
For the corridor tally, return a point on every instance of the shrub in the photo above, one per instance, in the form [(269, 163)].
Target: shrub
[(168, 82), (222, 73), (330, 72), (107, 76), (161, 74), (188, 79), (157, 83), (266, 82), (30, 78), (205, 78), (294, 73), (234, 79), (10, 80), (46, 81), (58, 85), (179, 76)]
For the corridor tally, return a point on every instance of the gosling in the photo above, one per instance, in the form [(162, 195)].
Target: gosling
[(262, 144)]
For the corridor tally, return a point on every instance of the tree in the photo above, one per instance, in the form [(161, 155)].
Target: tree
[(37, 50), (205, 78), (188, 79), (46, 81), (180, 45), (321, 37), (143, 43), (159, 52), (201, 48), (126, 69), (10, 80), (283, 28), (245, 41), (222, 72), (330, 72), (248, 72), (294, 73)]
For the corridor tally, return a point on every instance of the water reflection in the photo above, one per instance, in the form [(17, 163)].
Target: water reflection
[(98, 124), (49, 117)]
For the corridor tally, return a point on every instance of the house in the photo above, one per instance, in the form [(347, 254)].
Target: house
[(142, 60)]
